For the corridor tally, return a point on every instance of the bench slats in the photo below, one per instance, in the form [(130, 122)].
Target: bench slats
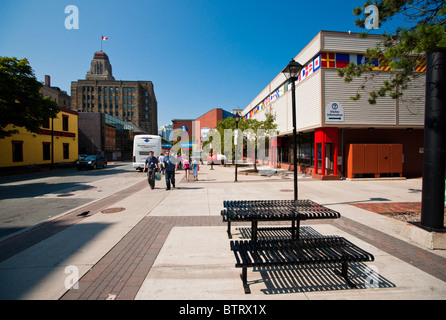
[(277, 252)]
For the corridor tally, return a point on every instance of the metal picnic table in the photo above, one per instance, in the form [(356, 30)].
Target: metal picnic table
[(274, 210)]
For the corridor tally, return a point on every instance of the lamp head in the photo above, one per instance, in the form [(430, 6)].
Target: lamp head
[(237, 117), (291, 71)]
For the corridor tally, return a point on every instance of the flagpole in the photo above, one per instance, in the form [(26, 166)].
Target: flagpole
[(101, 43)]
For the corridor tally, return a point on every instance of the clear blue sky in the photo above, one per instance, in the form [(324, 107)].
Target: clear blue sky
[(199, 54)]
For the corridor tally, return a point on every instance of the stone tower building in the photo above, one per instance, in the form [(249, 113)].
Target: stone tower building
[(132, 101)]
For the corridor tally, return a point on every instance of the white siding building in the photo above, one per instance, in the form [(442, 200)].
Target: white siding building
[(331, 125)]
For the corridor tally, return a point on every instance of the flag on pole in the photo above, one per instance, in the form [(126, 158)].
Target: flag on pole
[(104, 38)]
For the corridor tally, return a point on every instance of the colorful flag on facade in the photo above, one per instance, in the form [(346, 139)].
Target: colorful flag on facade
[(384, 64), (373, 61), (317, 63), (309, 69), (360, 59), (420, 66), (342, 60), (328, 60)]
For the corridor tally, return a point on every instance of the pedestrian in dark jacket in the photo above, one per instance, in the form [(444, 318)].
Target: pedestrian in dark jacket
[(170, 168), (152, 166)]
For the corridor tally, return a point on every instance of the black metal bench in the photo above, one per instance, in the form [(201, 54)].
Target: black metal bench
[(274, 210), (308, 251)]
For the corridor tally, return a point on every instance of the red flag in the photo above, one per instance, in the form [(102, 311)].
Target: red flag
[(104, 38)]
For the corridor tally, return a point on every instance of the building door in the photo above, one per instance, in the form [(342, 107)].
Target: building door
[(329, 156), (326, 150)]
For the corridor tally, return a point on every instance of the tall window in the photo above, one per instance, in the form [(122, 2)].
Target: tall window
[(66, 150), (46, 147), (46, 124), (65, 123), (17, 151)]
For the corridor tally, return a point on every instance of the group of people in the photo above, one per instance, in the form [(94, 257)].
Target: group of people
[(168, 165)]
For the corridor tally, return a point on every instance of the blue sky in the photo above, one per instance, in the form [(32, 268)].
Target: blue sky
[(199, 54)]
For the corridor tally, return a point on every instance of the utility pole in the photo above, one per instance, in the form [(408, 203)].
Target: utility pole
[(432, 205)]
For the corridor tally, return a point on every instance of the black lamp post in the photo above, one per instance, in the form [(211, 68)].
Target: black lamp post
[(236, 119), (291, 71)]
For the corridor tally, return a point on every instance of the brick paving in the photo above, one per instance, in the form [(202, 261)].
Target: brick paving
[(120, 274), (390, 207)]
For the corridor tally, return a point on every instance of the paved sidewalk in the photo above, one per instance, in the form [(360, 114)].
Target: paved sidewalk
[(158, 244)]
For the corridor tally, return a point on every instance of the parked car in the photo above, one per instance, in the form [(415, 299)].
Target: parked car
[(82, 156), (92, 162)]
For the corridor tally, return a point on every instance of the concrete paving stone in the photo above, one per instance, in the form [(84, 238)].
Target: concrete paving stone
[(173, 245)]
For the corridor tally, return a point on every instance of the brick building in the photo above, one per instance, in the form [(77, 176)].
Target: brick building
[(197, 128)]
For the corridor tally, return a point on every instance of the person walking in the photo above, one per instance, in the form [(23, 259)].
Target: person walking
[(195, 168), (179, 162), (170, 169), (186, 166), (160, 160), (152, 166)]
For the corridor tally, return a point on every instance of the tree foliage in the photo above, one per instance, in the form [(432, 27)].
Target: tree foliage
[(252, 129), (419, 28), (21, 103)]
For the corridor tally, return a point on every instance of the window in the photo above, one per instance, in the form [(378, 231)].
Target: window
[(64, 122), (66, 151), (46, 124), (116, 89), (105, 89), (147, 94), (46, 148), (17, 151)]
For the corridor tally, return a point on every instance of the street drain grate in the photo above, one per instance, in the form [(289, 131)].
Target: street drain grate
[(65, 195), (113, 210), (286, 190)]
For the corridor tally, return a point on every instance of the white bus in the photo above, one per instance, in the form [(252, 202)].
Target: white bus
[(142, 144)]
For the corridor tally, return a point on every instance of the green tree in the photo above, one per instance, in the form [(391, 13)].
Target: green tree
[(420, 28), (21, 103), (254, 131)]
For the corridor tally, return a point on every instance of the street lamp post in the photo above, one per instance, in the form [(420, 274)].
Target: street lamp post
[(291, 71), (236, 119)]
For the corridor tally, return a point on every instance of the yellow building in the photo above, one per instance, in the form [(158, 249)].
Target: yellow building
[(27, 149)]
